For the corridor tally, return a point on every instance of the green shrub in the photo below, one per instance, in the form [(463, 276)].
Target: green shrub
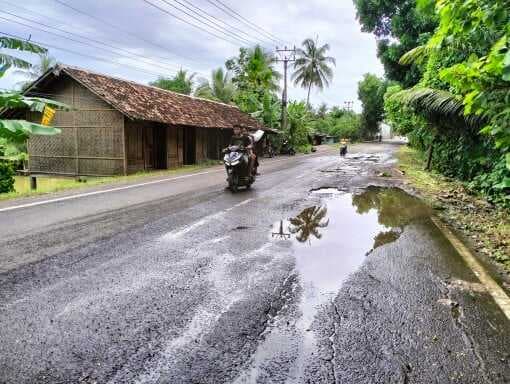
[(304, 148), (6, 177)]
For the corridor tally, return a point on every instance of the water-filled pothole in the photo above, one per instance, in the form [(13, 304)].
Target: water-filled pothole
[(326, 191), (331, 239)]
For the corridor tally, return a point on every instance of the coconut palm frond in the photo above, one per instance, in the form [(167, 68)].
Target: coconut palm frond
[(438, 106), (21, 45), (416, 55)]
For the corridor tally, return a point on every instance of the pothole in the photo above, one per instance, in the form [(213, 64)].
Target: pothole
[(331, 239), (326, 191)]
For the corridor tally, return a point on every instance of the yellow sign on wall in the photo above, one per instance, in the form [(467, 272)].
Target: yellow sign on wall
[(48, 115)]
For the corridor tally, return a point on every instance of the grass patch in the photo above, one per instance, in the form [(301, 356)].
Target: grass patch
[(50, 184), (485, 225)]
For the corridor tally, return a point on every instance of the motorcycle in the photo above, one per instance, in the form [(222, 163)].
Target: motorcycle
[(287, 149), (239, 168), (343, 150)]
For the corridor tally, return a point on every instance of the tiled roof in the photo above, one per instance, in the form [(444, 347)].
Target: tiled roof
[(144, 102)]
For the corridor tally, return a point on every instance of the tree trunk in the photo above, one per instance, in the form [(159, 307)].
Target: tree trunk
[(429, 156), (308, 96)]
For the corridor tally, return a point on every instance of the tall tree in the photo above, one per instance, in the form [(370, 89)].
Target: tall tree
[(371, 92), (254, 76), (399, 27), (180, 83), (220, 87), (312, 66)]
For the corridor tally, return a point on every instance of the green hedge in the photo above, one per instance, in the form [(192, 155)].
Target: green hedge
[(6, 177)]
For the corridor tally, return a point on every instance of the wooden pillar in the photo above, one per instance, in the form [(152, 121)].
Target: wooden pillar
[(124, 146), (76, 145)]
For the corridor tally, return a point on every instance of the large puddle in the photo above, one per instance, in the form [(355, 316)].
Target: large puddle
[(333, 238)]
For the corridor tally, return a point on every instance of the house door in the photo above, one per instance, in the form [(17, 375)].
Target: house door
[(190, 142), (149, 148), (160, 147)]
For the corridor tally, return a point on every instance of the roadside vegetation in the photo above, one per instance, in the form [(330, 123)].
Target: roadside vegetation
[(486, 226), (447, 67), (14, 132)]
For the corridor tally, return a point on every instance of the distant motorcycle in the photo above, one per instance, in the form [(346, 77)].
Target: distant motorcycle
[(343, 150), (238, 167), (287, 149)]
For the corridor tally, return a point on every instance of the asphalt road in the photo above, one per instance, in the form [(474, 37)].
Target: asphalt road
[(310, 277)]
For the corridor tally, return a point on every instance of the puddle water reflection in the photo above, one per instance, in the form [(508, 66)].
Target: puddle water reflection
[(331, 240)]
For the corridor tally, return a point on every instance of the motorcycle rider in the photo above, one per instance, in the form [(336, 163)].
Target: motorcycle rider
[(238, 138), (251, 150)]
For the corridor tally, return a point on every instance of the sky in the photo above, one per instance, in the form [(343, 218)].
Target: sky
[(140, 40)]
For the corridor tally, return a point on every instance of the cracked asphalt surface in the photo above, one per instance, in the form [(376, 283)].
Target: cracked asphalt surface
[(184, 282)]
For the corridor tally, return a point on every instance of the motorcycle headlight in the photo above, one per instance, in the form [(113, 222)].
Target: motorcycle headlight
[(235, 162)]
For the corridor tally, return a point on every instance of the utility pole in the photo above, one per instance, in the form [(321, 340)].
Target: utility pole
[(285, 55), (348, 105)]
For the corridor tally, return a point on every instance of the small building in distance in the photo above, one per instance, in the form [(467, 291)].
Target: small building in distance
[(120, 127)]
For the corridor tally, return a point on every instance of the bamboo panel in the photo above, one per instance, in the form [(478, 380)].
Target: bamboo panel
[(89, 166), (52, 165)]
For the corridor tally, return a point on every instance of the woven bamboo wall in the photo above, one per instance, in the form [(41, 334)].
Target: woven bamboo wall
[(92, 138)]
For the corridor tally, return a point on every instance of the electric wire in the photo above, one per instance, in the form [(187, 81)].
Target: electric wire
[(130, 55), (208, 23), (232, 13), (152, 58), (212, 17), (46, 45), (127, 32), (166, 11)]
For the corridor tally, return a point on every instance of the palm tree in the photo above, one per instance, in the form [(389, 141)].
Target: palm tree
[(180, 83), (308, 222), (35, 71), (311, 68), (220, 87)]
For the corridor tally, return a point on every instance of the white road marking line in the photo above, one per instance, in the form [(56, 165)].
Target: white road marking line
[(86, 194), (238, 205), (497, 293)]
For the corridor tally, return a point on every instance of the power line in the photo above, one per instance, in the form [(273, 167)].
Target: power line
[(187, 22), (232, 13), (214, 25), (96, 42), (46, 45), (210, 16), (175, 65), (95, 18)]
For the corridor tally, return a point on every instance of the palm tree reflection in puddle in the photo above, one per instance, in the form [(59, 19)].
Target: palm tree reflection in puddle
[(395, 210), (308, 222)]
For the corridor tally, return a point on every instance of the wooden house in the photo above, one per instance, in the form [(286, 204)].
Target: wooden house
[(120, 127)]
